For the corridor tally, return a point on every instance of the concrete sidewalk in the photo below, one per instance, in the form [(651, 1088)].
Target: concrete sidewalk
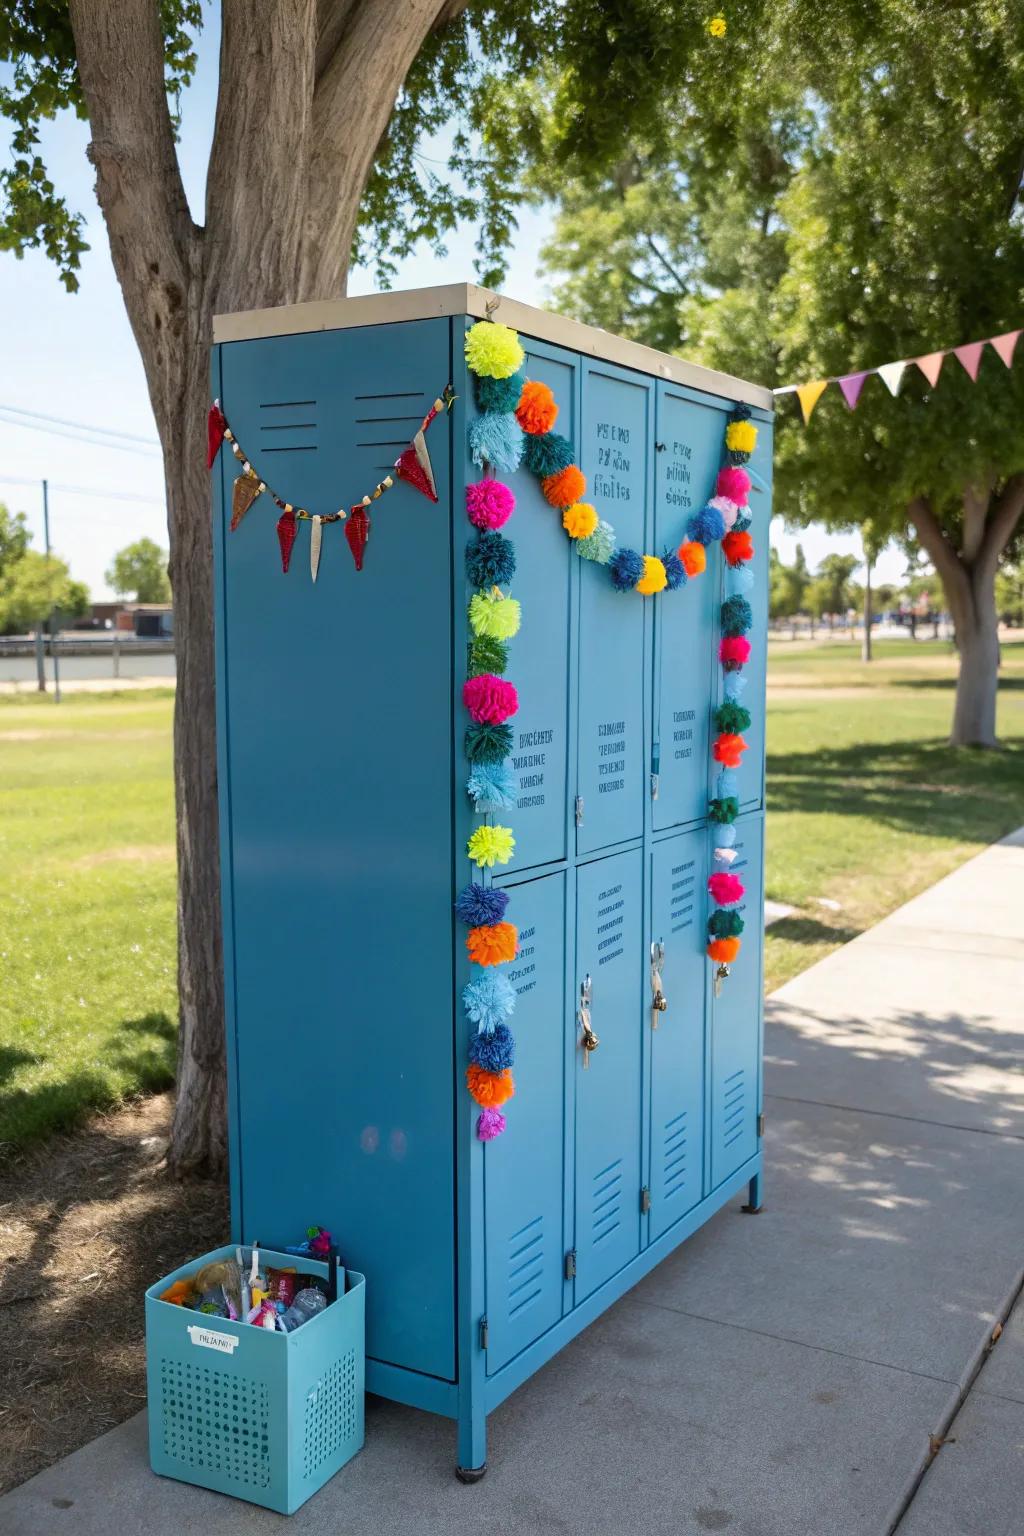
[(778, 1375)]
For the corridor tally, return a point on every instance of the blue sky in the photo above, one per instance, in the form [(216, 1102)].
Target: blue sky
[(73, 356)]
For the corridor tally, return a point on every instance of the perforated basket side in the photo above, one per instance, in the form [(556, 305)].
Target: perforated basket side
[(215, 1422)]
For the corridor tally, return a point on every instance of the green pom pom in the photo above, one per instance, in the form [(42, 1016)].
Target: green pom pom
[(724, 811), (547, 453), (487, 655), (598, 546), (731, 717), (488, 743), (725, 924), (499, 394)]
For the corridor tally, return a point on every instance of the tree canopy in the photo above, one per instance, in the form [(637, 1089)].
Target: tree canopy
[(140, 571), (32, 585)]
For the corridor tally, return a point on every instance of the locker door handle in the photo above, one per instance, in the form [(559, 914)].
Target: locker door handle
[(722, 974), (659, 1002), (588, 1040)]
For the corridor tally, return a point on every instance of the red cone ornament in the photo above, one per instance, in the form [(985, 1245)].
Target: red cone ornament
[(357, 531), (216, 426), (286, 531), (413, 466)]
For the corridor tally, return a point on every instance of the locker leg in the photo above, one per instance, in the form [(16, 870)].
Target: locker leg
[(472, 1463), (753, 1204)]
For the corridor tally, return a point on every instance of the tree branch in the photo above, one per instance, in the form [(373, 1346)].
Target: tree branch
[(951, 569), (1003, 519), (655, 250), (976, 499)]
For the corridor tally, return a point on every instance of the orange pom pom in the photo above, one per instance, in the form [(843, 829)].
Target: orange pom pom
[(738, 546), (579, 520), (536, 411), (724, 950), (493, 945), (693, 557), (729, 749), (489, 1088), (563, 489)]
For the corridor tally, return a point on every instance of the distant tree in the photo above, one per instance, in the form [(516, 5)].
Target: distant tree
[(140, 571), (832, 592), (34, 586), (14, 537), (1010, 594), (787, 585)]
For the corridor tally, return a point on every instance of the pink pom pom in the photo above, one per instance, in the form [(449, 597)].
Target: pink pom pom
[(489, 504), (734, 483), (733, 651), (491, 1123), (726, 889), (489, 698), (729, 510)]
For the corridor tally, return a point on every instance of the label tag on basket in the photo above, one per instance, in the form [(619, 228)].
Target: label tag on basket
[(210, 1338)]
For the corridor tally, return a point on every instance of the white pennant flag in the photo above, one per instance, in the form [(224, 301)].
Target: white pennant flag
[(315, 535), (891, 375)]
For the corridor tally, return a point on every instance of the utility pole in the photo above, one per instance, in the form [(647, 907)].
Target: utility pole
[(49, 622)]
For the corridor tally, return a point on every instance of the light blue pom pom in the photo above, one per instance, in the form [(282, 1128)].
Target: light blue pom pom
[(733, 685), (725, 837), (496, 439), (727, 784), (492, 786), (489, 1001), (598, 546), (738, 579)]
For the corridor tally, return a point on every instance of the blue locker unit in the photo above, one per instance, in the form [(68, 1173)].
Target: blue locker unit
[(344, 823)]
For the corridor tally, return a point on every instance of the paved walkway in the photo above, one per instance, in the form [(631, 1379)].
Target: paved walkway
[(779, 1375)]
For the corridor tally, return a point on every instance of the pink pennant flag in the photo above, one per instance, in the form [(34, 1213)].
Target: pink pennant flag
[(1005, 345), (931, 366), (970, 356), (851, 387)]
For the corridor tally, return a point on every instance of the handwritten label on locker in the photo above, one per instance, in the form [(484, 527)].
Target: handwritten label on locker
[(676, 476), (684, 878), (610, 918), (612, 462), (682, 732), (530, 765), (521, 974), (611, 749)]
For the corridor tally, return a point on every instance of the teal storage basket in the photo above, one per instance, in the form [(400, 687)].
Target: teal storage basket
[(267, 1417)]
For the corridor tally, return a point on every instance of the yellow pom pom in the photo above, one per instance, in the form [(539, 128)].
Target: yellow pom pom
[(579, 520), (491, 845), (493, 350), (717, 26), (741, 436), (654, 578), (492, 614)]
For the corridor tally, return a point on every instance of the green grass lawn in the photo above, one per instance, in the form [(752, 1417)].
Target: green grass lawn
[(866, 807)]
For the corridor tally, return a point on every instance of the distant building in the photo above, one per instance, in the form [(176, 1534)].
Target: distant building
[(150, 621)]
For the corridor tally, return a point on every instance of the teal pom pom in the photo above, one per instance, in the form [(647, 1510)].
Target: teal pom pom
[(487, 743), (490, 560), (675, 570), (489, 1001), (737, 616), (627, 567), (724, 810), (487, 655), (546, 453), (499, 394), (739, 578), (742, 522), (731, 716), (598, 546), (706, 526), (492, 786), (496, 439), (725, 924)]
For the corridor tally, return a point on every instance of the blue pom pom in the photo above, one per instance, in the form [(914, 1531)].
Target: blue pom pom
[(675, 570), (489, 1001), (733, 685), (742, 522), (547, 453), (739, 578), (493, 1052), (490, 560), (737, 616), (496, 439), (499, 394), (706, 526), (727, 784), (492, 786), (626, 567), (480, 906), (725, 836)]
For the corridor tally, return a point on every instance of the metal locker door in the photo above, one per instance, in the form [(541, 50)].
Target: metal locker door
[(689, 434), (611, 773), (736, 1021), (751, 772), (524, 1184), (678, 901), (608, 1087)]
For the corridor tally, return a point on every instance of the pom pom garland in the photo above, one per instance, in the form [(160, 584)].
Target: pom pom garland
[(489, 1001), (675, 571), (728, 509), (726, 835), (492, 787), (494, 944), (654, 578), (489, 699), (489, 1089), (495, 1052), (547, 454), (734, 483), (498, 394), (693, 558), (733, 651), (487, 655), (490, 560), (726, 784), (723, 924), (726, 889), (737, 546), (737, 616), (627, 567), (732, 717), (496, 439), (742, 522), (741, 437), (733, 685), (490, 845), (599, 546), (579, 520), (491, 613), (493, 350), (724, 950), (724, 810), (489, 504), (490, 1123), (728, 749), (488, 744), (563, 489), (477, 905), (738, 578), (536, 411), (706, 526)]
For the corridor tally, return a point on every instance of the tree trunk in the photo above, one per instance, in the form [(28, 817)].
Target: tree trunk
[(977, 629), (865, 653)]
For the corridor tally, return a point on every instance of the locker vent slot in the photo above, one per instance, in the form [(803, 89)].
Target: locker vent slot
[(389, 421), (525, 1266), (288, 426), (674, 1147), (734, 1105), (606, 1202), (681, 908)]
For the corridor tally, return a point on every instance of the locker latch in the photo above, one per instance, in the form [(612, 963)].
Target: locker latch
[(722, 974), (579, 810), (645, 1200), (588, 1040), (484, 1335), (655, 781), (659, 1002), (760, 1125), (570, 1264)]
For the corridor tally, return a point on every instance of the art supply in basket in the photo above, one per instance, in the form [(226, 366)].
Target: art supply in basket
[(308, 1302)]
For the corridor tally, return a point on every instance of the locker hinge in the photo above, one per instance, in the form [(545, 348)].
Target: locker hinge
[(579, 810), (760, 1125), (570, 1264), (484, 1336), (645, 1200)]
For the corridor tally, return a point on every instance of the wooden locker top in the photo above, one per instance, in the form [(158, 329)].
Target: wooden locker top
[(468, 299)]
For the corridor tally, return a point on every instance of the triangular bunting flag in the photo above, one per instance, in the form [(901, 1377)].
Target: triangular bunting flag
[(891, 375), (316, 534), (286, 531), (246, 488), (1005, 345), (413, 466), (970, 356), (931, 366), (851, 387), (809, 395), (357, 531), (216, 426)]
